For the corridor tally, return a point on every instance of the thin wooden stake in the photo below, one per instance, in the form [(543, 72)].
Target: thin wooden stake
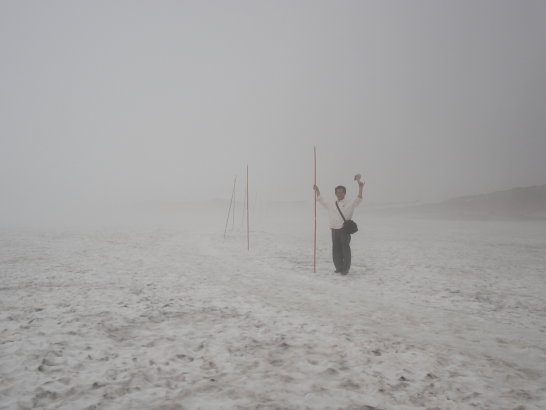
[(315, 231), (234, 202), (243, 207), (229, 210), (247, 213)]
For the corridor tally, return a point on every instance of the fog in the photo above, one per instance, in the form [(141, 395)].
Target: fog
[(122, 103)]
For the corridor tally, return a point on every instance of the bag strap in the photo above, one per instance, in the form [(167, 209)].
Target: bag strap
[(337, 206)]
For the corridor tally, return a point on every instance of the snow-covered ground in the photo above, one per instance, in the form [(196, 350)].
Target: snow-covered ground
[(434, 314)]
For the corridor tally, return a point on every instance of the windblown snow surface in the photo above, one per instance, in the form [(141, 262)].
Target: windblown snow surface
[(435, 314)]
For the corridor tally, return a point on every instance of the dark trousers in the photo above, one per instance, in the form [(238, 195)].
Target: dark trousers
[(341, 251)]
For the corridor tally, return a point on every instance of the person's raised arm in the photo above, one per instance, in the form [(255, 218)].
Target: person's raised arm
[(360, 188)]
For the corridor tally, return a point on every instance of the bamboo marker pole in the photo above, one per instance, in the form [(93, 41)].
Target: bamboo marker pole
[(229, 210), (247, 212), (243, 207), (234, 202), (315, 231)]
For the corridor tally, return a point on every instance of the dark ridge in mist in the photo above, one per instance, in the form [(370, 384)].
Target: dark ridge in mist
[(520, 202)]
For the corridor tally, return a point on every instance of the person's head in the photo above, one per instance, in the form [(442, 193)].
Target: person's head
[(340, 192)]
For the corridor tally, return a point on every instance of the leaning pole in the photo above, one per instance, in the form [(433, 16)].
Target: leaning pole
[(315, 231), (247, 212), (231, 202)]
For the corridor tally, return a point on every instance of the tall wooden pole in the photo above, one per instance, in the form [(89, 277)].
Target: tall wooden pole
[(247, 213), (315, 231), (243, 207), (234, 202)]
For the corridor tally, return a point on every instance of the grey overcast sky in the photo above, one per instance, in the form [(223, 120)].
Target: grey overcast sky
[(109, 101)]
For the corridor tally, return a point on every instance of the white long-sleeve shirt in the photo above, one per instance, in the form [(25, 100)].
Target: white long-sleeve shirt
[(345, 205)]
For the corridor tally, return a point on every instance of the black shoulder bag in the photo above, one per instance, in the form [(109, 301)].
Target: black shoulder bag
[(349, 226)]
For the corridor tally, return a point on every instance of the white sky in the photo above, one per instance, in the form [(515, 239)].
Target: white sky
[(168, 100)]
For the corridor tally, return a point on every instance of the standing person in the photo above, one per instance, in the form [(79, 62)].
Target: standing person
[(341, 250)]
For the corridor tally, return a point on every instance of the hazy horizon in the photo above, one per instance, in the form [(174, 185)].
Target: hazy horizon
[(109, 103)]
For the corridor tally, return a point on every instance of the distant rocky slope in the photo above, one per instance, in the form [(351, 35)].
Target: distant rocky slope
[(521, 202)]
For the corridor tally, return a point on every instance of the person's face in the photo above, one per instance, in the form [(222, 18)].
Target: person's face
[(340, 194)]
